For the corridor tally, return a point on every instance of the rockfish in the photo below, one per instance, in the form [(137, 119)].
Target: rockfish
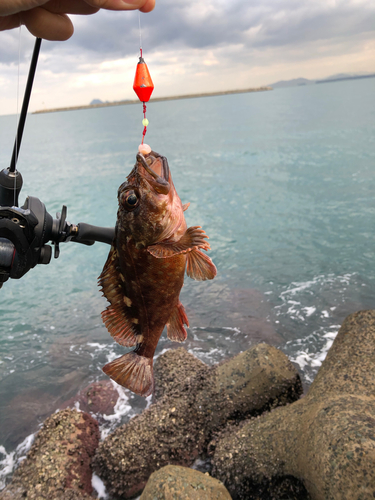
[(144, 273)]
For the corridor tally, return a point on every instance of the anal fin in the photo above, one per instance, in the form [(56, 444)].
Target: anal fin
[(175, 325), (133, 372), (199, 266), (194, 237)]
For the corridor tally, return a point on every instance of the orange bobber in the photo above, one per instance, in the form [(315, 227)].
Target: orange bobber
[(143, 85)]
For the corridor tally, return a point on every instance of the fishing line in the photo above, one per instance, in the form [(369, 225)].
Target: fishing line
[(25, 104), (140, 32), (18, 71), (143, 87), (144, 121), (17, 104)]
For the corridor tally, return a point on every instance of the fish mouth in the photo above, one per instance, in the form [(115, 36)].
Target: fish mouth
[(157, 167)]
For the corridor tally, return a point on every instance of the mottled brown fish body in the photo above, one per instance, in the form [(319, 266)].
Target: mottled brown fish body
[(153, 285), (144, 272)]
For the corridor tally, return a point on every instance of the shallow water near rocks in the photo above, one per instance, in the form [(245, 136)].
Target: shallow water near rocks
[(282, 182)]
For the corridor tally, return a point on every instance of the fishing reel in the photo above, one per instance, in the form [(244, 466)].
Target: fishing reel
[(26, 231)]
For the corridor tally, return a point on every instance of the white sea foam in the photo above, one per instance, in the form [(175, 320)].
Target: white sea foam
[(111, 356), (96, 344), (296, 287), (77, 406), (11, 460), (7, 465), (209, 357), (310, 353), (121, 409), (312, 303), (99, 487), (309, 310), (233, 329)]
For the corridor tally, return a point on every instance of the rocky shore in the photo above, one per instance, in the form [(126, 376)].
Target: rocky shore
[(244, 420)]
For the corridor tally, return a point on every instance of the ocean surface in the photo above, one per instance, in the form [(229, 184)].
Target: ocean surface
[(283, 183)]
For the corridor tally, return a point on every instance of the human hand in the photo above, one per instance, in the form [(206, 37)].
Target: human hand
[(48, 18)]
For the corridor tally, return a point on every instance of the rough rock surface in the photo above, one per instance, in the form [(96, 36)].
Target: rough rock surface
[(98, 398), (58, 463), (69, 494), (326, 439), (172, 369), (176, 429), (180, 483)]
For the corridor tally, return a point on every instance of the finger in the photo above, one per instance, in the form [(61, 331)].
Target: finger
[(123, 4), (70, 7), (8, 7), (148, 6), (50, 26), (92, 6), (10, 22)]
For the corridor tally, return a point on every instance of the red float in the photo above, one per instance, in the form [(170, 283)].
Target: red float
[(143, 85)]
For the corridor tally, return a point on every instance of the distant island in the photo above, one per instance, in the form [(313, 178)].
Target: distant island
[(338, 79), (297, 82), (97, 103)]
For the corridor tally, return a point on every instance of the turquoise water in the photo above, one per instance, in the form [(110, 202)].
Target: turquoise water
[(282, 182)]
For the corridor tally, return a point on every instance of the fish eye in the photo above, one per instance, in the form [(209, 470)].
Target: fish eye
[(130, 200)]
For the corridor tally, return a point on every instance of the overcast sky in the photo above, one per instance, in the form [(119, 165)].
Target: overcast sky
[(192, 46)]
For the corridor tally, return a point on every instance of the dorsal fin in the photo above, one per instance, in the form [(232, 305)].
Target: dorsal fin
[(116, 317)]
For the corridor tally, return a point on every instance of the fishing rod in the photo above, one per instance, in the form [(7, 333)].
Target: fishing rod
[(26, 231)]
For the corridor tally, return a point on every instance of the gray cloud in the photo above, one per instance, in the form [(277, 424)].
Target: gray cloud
[(206, 25), (14, 47)]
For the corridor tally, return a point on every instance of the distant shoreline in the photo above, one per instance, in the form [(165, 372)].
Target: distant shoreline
[(157, 99), (359, 77)]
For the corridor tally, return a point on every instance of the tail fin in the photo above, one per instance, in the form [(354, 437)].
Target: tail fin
[(133, 372)]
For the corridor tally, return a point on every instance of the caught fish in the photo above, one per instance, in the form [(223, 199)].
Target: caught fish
[(144, 272)]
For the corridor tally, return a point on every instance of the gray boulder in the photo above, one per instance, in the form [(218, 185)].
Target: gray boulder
[(178, 428), (172, 369), (326, 440), (98, 398), (180, 483)]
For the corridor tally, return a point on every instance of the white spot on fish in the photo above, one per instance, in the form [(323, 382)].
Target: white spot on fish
[(127, 301)]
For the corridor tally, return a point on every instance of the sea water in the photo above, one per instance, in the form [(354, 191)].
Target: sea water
[(283, 183)]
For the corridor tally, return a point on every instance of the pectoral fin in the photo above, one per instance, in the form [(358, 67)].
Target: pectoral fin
[(116, 316), (195, 237), (175, 325), (199, 266)]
